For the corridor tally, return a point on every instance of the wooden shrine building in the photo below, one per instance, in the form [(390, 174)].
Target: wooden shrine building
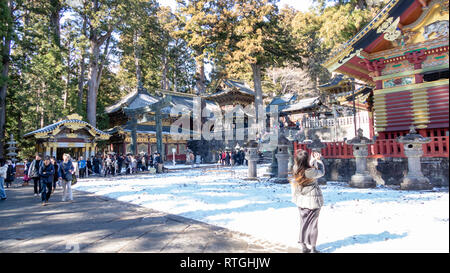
[(145, 120), (403, 54), (71, 135), (231, 93)]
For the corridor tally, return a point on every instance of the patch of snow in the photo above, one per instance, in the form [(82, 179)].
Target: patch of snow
[(352, 220)]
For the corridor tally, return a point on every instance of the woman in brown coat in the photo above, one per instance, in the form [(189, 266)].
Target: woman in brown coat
[(308, 197)]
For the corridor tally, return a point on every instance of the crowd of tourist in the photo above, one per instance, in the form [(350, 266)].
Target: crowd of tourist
[(47, 173), (232, 158)]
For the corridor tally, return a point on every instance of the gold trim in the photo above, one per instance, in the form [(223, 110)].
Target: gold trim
[(363, 32), (411, 86), (75, 116)]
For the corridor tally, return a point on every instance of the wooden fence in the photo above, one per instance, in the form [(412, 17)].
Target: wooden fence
[(438, 147)]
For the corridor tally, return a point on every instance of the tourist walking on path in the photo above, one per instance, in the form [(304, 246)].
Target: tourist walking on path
[(82, 167), (108, 163), (46, 172), (33, 173), (3, 170), (66, 172), (10, 173), (308, 197), (26, 179), (56, 173), (75, 167)]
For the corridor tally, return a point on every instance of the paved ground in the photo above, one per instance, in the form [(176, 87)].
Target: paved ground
[(99, 224)]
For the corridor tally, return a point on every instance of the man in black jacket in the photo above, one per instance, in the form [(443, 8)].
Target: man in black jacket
[(33, 173), (55, 175), (46, 172)]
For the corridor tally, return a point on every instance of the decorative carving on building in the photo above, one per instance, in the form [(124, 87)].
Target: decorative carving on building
[(398, 82), (439, 28), (389, 28)]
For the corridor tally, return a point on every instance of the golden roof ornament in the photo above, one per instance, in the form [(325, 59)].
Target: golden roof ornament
[(75, 116)]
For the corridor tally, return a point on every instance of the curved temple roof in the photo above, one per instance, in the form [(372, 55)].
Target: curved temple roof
[(374, 37), (50, 128)]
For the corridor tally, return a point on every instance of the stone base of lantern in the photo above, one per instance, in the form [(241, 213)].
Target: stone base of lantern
[(251, 178), (278, 180), (362, 181), (416, 183)]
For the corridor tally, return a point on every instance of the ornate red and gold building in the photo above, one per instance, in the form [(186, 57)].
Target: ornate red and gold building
[(403, 54)]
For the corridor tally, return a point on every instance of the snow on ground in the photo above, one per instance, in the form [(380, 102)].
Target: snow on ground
[(352, 220), (170, 166)]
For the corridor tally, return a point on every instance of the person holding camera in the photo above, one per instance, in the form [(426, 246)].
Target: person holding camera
[(306, 194)]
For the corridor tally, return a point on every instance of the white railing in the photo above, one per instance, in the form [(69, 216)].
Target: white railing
[(315, 123)]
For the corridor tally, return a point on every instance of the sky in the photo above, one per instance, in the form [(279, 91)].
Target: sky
[(302, 5)]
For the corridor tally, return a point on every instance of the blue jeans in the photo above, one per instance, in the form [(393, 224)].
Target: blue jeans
[(46, 190), (2, 188)]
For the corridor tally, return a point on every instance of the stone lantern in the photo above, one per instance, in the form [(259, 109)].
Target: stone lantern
[(12, 149), (282, 159), (362, 177), (412, 143), (291, 139), (272, 169), (252, 157), (316, 146)]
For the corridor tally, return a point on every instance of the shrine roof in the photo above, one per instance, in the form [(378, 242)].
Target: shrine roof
[(302, 105), (136, 99), (228, 86), (50, 128), (188, 102), (140, 129), (378, 35), (284, 99)]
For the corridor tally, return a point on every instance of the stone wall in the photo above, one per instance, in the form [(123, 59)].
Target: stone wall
[(389, 171)]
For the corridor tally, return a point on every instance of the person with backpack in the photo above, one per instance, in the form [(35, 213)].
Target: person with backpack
[(10, 173), (66, 173), (307, 195), (46, 172), (33, 173)]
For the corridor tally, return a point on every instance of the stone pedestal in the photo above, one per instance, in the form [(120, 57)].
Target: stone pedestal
[(282, 159), (412, 143), (291, 137), (290, 151), (316, 146), (252, 158), (362, 177), (272, 170)]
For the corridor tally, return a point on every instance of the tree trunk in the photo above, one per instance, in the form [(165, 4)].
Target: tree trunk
[(66, 91), (164, 84), (200, 76), (92, 84), (82, 71), (137, 59), (256, 69), (6, 52), (95, 73), (54, 19)]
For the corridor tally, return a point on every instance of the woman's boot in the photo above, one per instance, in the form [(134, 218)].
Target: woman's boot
[(314, 250), (303, 248)]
